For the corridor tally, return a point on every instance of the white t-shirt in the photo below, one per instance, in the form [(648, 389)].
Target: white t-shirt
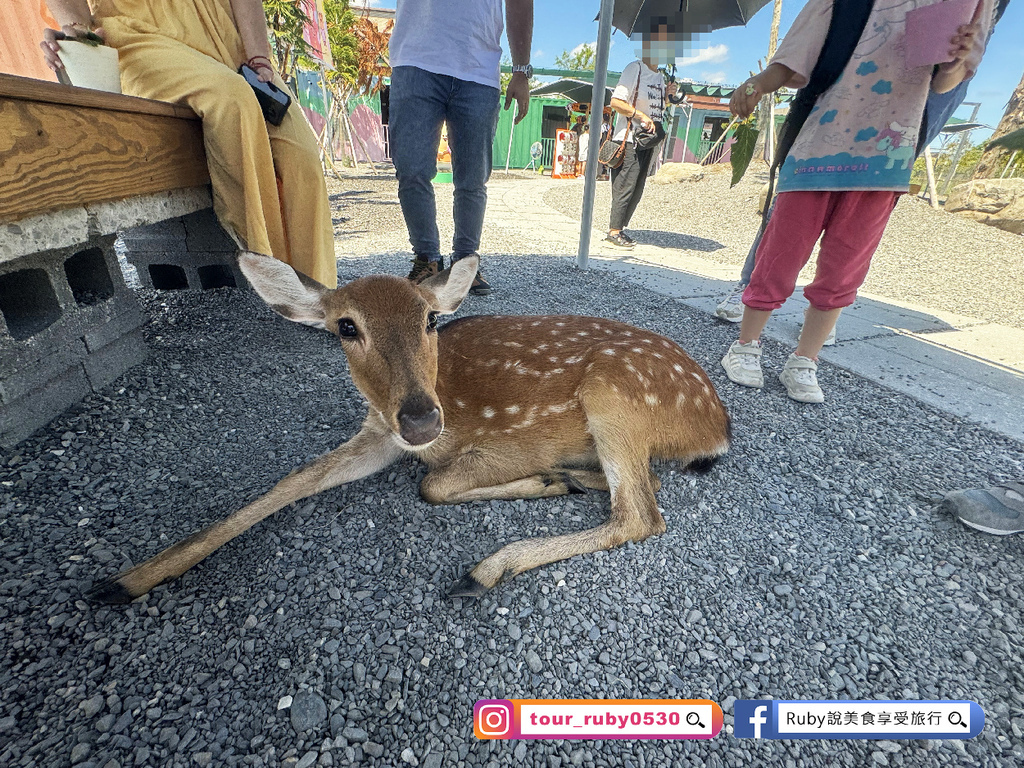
[(458, 38), (584, 146), (650, 100)]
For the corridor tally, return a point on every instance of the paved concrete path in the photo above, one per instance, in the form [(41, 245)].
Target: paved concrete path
[(963, 365)]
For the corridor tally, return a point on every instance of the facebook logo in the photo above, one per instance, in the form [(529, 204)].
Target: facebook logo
[(752, 719)]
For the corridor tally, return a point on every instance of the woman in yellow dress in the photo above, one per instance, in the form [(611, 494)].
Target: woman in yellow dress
[(268, 187)]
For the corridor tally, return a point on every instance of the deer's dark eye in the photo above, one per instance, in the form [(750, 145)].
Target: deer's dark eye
[(431, 321), (347, 329)]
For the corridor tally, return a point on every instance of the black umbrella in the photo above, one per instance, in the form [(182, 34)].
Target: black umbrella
[(690, 17)]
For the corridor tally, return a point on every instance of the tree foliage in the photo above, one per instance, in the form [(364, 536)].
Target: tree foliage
[(285, 20), (372, 59), (581, 57)]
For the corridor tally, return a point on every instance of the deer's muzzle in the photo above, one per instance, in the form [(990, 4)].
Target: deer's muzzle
[(419, 421)]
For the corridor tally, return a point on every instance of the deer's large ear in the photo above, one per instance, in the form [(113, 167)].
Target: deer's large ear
[(289, 293), (451, 286)]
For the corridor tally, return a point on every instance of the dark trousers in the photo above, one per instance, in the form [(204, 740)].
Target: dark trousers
[(420, 103), (628, 182)]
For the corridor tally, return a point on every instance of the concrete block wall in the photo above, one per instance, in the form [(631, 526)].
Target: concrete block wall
[(68, 326), (189, 252)]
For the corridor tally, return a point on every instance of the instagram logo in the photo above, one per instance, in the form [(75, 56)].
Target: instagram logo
[(492, 719)]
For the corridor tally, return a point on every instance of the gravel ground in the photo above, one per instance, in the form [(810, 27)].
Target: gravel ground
[(810, 563), (918, 261)]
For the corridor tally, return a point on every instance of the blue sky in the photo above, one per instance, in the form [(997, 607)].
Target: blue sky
[(729, 55)]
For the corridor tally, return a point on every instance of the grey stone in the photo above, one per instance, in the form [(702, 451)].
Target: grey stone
[(79, 752), (355, 734), (308, 711), (92, 706), (307, 759), (533, 662)]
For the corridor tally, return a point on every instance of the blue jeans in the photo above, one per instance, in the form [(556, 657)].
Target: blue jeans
[(420, 103)]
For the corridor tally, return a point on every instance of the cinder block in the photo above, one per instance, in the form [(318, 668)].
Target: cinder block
[(115, 327), (20, 379), (24, 416), (204, 234), (106, 364), (189, 271), (163, 237), (202, 255), (70, 325)]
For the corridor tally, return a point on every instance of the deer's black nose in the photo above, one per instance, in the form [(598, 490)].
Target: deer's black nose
[(419, 422)]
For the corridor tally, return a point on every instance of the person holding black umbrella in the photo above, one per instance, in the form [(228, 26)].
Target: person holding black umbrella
[(639, 99)]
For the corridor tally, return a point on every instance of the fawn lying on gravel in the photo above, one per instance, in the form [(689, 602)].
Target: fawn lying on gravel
[(498, 407)]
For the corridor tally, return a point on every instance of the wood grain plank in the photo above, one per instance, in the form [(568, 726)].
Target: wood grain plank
[(29, 89), (55, 156)]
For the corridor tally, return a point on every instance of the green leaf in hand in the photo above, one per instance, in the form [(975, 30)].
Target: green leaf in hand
[(742, 150)]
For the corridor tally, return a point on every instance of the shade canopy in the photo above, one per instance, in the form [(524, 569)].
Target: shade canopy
[(574, 90)]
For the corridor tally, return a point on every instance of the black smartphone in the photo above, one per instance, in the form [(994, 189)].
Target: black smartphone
[(273, 101)]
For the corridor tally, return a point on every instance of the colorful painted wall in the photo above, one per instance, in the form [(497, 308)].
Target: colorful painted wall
[(363, 115)]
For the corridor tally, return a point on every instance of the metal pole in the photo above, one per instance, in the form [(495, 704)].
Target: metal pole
[(1009, 162), (932, 197), (686, 138), (328, 130), (604, 40), (511, 133), (960, 148)]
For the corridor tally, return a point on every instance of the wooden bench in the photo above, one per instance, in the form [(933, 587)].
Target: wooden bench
[(78, 168)]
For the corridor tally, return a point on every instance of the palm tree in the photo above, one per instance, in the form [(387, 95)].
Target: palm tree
[(996, 158)]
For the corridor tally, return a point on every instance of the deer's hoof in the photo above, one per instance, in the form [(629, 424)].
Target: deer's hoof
[(109, 592), (573, 485), (467, 586)]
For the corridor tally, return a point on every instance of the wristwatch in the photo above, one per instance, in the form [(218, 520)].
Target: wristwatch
[(526, 69)]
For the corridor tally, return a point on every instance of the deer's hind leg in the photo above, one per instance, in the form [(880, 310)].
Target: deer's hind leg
[(478, 477), (634, 516)]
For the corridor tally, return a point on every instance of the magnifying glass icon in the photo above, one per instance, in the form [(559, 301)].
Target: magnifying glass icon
[(692, 718), (955, 718)]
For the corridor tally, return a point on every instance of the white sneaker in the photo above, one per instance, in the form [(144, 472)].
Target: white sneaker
[(742, 364), (731, 308), (801, 380)]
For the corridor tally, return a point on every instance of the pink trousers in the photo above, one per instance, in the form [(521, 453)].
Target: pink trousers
[(852, 223)]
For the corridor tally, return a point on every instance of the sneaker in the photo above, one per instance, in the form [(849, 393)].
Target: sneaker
[(731, 308), (998, 510), (619, 241), (480, 286), (422, 269), (742, 364), (801, 380)]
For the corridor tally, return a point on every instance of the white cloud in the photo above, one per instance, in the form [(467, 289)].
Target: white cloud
[(538, 55), (712, 77), (713, 54)]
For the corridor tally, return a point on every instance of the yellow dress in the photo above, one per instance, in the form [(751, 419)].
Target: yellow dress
[(189, 51)]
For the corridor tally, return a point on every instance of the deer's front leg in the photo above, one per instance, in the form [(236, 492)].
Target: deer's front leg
[(367, 452)]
